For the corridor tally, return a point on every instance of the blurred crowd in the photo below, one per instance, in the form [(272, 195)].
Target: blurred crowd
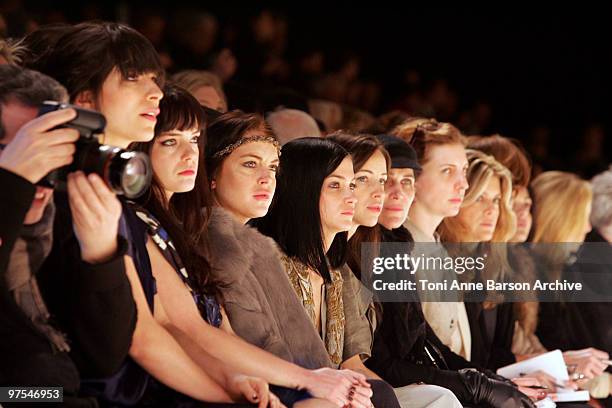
[(265, 61)]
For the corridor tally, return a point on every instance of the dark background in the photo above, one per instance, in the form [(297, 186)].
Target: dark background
[(543, 78)]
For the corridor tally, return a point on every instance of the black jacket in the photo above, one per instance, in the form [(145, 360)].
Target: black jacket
[(92, 304), (496, 351), (27, 356), (575, 325)]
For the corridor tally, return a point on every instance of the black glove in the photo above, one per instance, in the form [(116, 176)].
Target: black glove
[(492, 375), (498, 394)]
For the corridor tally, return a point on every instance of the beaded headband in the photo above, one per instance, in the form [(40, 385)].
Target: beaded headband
[(260, 138)]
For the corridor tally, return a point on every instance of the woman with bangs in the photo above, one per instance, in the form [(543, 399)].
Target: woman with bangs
[(107, 67), (84, 58)]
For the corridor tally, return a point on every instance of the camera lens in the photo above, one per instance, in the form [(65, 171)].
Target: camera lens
[(136, 175), (125, 172), (129, 173)]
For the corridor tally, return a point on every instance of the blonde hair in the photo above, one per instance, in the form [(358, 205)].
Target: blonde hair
[(482, 168), (422, 133), (11, 51), (193, 79), (561, 203)]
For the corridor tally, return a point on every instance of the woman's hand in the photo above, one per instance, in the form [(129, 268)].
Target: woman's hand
[(95, 216), (525, 383), (586, 363), (254, 390), (341, 387)]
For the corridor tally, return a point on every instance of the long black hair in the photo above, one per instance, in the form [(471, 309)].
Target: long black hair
[(294, 218), (361, 148), (186, 215)]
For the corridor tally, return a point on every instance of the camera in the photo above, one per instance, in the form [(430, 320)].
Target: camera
[(125, 172)]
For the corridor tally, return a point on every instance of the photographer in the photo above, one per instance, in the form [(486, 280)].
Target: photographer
[(33, 351)]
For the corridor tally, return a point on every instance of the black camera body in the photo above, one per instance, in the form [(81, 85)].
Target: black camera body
[(125, 172)]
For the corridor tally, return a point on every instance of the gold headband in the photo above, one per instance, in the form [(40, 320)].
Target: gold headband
[(260, 138)]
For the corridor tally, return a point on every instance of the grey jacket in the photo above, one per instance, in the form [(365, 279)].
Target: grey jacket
[(258, 297)]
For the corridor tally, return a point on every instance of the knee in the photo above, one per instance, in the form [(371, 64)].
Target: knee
[(446, 397)]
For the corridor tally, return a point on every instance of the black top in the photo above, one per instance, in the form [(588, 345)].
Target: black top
[(492, 332), (406, 350), (93, 305), (577, 325)]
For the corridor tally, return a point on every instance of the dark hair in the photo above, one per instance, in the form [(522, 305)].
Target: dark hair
[(186, 217), (294, 218), (81, 57), (30, 88), (509, 152), (226, 130), (361, 148), (40, 43)]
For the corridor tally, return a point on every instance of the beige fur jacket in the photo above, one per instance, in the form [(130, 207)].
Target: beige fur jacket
[(257, 295)]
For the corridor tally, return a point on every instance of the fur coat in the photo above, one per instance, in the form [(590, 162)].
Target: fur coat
[(258, 297)]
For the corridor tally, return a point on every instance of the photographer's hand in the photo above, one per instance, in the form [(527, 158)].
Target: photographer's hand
[(95, 214), (36, 150)]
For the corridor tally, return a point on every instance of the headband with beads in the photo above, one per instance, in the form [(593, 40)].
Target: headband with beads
[(260, 138)]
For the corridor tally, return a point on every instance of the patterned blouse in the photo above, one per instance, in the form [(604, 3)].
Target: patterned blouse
[(332, 307), (207, 305)]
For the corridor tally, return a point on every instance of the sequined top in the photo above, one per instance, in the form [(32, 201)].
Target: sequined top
[(332, 307)]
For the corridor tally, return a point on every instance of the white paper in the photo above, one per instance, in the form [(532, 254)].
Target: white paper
[(551, 363), (571, 396)]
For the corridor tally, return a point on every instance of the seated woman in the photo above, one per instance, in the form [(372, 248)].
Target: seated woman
[(241, 162), (485, 220), (371, 164), (309, 223), (562, 203), (406, 350), (440, 188), (587, 323)]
